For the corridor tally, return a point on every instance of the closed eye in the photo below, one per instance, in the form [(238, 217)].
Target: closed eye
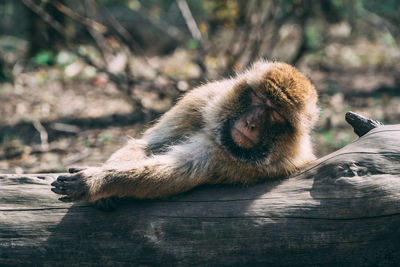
[(263, 101)]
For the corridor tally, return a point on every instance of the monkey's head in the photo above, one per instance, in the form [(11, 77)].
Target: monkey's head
[(268, 114)]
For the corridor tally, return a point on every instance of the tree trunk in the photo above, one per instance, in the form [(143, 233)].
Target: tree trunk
[(343, 210)]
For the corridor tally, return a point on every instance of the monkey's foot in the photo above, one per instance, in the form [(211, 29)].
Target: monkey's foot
[(73, 186)]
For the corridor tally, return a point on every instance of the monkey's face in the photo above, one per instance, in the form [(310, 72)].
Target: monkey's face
[(249, 133), (268, 111)]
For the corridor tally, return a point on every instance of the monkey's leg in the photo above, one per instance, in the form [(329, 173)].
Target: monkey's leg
[(182, 168)]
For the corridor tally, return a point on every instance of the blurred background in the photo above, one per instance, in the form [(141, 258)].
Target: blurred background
[(78, 77)]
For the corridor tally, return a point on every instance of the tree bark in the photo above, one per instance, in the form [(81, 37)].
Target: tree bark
[(343, 210)]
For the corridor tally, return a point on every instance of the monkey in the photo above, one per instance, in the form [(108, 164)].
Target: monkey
[(252, 126)]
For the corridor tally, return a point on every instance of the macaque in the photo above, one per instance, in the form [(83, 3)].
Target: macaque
[(253, 126)]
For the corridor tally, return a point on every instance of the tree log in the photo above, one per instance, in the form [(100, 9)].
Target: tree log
[(343, 210)]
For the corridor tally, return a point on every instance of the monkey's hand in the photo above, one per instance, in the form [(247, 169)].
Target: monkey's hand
[(78, 185)]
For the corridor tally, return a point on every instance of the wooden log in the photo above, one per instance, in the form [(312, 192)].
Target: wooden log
[(343, 210)]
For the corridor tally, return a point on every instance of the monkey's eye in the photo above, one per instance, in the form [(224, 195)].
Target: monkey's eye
[(257, 98), (276, 116)]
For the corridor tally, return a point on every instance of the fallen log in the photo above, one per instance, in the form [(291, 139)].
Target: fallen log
[(344, 209)]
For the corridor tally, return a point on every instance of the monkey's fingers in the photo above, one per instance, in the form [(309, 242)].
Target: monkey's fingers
[(70, 194), (58, 183), (66, 177), (70, 185), (62, 183), (59, 191), (360, 124), (66, 199), (76, 169), (64, 189), (72, 198)]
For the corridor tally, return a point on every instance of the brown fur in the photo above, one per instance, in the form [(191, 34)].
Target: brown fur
[(184, 148)]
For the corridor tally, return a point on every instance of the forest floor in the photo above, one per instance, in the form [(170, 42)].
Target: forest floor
[(50, 121)]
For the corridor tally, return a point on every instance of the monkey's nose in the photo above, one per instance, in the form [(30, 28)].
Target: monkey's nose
[(255, 118), (250, 125)]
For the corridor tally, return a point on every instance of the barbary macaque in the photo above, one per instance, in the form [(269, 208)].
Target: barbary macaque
[(255, 125)]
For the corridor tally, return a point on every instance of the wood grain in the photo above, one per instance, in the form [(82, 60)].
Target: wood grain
[(343, 210)]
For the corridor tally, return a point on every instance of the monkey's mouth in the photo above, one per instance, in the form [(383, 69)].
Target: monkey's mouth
[(243, 146), (245, 139)]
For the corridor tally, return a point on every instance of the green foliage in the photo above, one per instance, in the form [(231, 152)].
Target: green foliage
[(314, 36), (333, 87), (345, 139), (192, 44), (64, 58), (105, 137), (221, 12), (388, 39), (389, 9), (328, 135), (133, 4), (44, 58), (85, 143), (60, 170)]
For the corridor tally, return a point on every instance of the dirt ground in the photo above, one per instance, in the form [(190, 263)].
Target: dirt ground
[(50, 122)]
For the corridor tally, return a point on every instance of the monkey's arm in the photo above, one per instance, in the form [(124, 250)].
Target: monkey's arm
[(173, 127), (182, 168), (185, 118)]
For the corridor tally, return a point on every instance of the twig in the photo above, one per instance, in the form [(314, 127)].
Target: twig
[(44, 15), (63, 127), (75, 16), (131, 43), (98, 37), (44, 137), (194, 31), (124, 33), (123, 82), (190, 22), (380, 23)]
